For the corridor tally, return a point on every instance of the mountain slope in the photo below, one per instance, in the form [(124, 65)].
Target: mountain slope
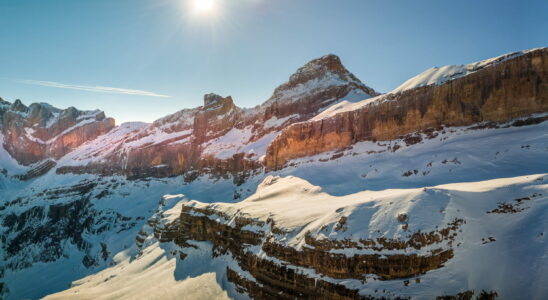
[(100, 205), (219, 137), (290, 239)]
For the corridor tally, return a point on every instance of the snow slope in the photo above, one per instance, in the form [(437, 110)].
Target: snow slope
[(456, 155), (504, 252), (151, 274)]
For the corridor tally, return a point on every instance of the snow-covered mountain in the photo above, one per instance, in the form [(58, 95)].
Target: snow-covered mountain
[(41, 131), (326, 190), (218, 138)]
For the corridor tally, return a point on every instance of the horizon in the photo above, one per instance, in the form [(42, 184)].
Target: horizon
[(139, 61)]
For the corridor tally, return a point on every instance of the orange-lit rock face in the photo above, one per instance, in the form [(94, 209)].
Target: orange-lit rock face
[(513, 88), (41, 131)]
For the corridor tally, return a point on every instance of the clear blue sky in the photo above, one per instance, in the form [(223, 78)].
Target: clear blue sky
[(245, 48)]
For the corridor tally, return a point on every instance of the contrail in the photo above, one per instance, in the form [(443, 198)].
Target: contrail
[(98, 89)]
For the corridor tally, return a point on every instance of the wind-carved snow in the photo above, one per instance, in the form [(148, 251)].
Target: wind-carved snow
[(156, 136), (346, 106), (150, 276), (57, 115), (123, 138), (182, 118)]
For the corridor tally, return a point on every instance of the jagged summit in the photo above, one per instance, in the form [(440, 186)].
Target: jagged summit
[(213, 100), (19, 106)]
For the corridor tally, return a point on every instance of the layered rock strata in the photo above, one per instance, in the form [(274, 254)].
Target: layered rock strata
[(499, 92)]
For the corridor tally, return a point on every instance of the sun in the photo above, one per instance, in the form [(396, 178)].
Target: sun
[(204, 6)]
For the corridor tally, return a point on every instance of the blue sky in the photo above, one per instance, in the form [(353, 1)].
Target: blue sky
[(245, 48)]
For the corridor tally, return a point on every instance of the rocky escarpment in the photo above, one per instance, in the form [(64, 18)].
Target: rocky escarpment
[(501, 90), (220, 138), (41, 131), (287, 258)]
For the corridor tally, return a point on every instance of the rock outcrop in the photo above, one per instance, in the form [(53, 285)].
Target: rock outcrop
[(502, 91)]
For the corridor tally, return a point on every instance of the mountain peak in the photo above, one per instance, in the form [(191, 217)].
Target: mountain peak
[(19, 106), (320, 83), (320, 67), (212, 100)]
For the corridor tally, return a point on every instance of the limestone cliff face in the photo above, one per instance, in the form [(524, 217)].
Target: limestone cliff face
[(273, 266), (42, 131), (510, 89)]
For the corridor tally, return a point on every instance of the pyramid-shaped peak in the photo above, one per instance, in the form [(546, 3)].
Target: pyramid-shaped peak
[(320, 67)]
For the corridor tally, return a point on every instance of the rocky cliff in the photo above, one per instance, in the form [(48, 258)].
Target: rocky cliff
[(511, 87)]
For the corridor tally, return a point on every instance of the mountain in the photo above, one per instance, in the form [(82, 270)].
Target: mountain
[(41, 131), (326, 190), (220, 138), (452, 96)]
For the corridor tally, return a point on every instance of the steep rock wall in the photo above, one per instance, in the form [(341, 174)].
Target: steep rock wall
[(510, 89)]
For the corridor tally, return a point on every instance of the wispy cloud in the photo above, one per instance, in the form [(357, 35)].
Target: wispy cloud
[(98, 89)]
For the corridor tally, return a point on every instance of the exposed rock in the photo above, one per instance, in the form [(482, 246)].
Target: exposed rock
[(277, 275), (39, 170)]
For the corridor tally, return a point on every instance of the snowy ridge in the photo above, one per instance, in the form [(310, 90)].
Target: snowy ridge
[(441, 75), (239, 141)]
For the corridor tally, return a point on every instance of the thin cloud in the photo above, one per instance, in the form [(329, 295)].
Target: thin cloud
[(97, 89)]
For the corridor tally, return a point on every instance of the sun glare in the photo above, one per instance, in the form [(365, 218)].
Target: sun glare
[(204, 6)]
